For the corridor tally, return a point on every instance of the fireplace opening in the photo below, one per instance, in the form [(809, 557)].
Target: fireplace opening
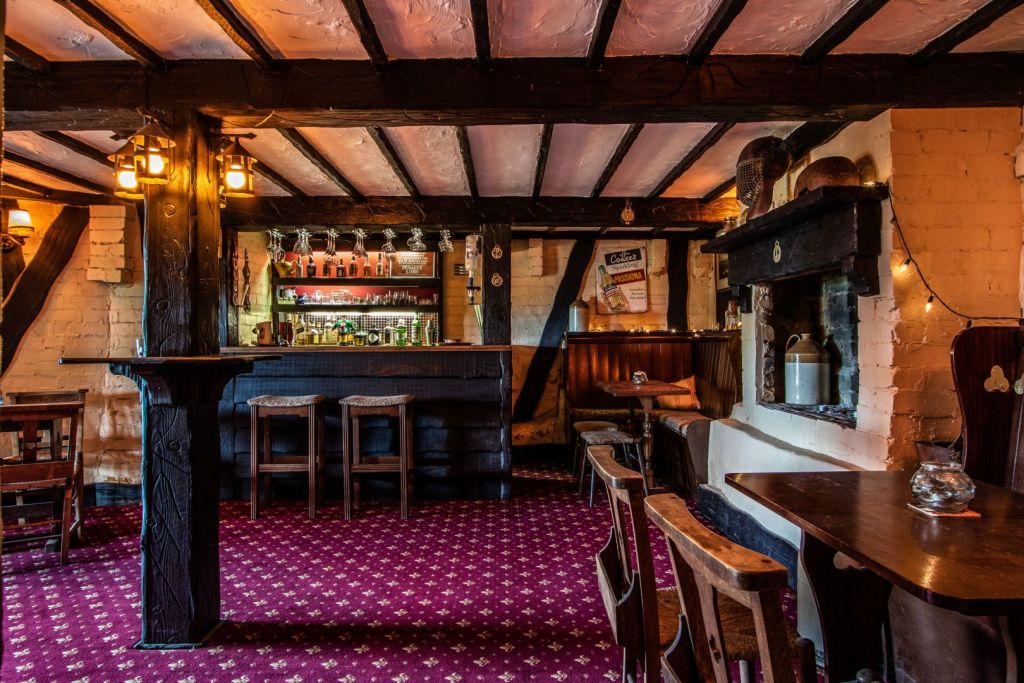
[(823, 305)]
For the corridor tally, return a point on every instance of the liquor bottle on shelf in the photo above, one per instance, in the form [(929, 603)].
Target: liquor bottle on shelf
[(380, 264), (613, 296), (428, 333), (353, 267), (311, 267), (367, 270), (298, 266), (414, 334), (340, 270)]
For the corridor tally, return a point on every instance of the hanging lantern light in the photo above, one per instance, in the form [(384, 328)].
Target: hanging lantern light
[(152, 161), (236, 173), (19, 223), (126, 179)]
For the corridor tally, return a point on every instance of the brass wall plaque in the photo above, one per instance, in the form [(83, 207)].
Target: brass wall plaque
[(777, 252)]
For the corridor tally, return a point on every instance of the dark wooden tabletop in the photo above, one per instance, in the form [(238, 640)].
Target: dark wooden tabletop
[(975, 566), (647, 389)]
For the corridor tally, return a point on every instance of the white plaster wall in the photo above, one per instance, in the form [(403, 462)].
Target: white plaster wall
[(905, 26), (505, 158), (357, 156), (25, 173), (658, 148), (432, 156), (100, 139), (303, 29), (658, 27), (259, 284), (1006, 34), (56, 33), (700, 296), (424, 29), (578, 155), (58, 156), (541, 28), (176, 29), (783, 26), (270, 146)]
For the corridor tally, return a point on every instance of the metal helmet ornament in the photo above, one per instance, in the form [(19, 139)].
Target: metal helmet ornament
[(760, 164)]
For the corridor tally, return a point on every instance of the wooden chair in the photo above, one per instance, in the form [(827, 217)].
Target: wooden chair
[(731, 598), (25, 472), (644, 620), (357, 463)]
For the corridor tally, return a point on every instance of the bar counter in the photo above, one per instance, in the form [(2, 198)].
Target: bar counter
[(462, 414)]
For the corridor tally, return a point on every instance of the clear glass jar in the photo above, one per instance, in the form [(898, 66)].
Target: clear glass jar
[(942, 486)]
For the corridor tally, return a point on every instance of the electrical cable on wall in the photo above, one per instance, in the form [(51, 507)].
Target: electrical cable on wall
[(933, 296)]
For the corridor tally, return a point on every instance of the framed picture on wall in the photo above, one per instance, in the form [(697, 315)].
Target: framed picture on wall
[(721, 271)]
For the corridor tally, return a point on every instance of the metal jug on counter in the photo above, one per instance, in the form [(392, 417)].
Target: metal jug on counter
[(806, 371)]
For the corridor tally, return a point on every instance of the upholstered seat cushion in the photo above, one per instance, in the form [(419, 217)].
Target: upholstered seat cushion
[(613, 414), (271, 401), (593, 426), (679, 422), (376, 401), (608, 437)]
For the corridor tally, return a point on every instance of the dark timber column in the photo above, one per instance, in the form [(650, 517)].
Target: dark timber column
[(497, 284), (180, 450)]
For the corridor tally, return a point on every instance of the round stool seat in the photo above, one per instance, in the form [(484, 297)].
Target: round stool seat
[(593, 426), (271, 401), (608, 437), (377, 401)]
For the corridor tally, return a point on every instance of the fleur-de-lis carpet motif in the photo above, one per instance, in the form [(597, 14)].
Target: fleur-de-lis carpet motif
[(462, 591)]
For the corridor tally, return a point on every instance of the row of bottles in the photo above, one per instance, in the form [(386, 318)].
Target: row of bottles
[(329, 267), (366, 330)]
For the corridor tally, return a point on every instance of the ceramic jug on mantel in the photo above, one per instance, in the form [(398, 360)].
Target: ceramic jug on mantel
[(806, 371)]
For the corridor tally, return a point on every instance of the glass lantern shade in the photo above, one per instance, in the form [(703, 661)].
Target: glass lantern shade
[(236, 172), (152, 162), (126, 180), (19, 223)]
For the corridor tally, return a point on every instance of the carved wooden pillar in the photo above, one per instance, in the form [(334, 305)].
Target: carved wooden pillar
[(180, 450), (497, 283)]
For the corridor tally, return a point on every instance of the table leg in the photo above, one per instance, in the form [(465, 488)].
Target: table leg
[(647, 404), (853, 609)]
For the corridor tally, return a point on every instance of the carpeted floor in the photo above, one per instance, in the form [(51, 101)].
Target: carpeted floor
[(462, 591)]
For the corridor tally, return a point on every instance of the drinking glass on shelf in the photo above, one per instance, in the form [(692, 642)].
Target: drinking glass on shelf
[(140, 347), (416, 242)]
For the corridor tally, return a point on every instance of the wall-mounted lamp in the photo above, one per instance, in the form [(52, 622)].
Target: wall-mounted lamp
[(152, 161), (126, 179), (236, 174), (19, 223)]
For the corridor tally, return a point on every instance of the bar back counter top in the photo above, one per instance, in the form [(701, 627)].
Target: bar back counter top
[(462, 414)]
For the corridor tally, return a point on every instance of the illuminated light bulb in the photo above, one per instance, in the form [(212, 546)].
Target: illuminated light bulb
[(127, 180), (155, 162), (929, 304), (235, 179), (902, 268)]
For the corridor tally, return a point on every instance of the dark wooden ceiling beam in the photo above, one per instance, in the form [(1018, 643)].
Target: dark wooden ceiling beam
[(53, 172), (968, 28), (394, 160), (77, 146), (481, 32), (316, 157), (842, 29), (716, 27), (625, 144), (691, 157), (16, 188), (104, 95), (275, 177), (521, 211), (466, 151), (26, 56), (95, 17), (367, 32), (542, 158), (602, 32), (239, 31)]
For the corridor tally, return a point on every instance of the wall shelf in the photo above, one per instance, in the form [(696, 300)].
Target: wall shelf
[(352, 308), (425, 282)]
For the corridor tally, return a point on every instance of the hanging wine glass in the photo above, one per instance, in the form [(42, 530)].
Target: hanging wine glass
[(445, 245), (388, 248), (416, 242), (302, 243), (330, 253), (359, 249)]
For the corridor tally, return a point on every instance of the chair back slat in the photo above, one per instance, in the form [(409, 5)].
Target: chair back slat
[(706, 564)]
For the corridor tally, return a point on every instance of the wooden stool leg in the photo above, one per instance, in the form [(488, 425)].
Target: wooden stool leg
[(254, 470), (267, 479), (356, 460), (311, 436), (582, 475), (321, 455), (403, 462), (346, 460), (65, 522)]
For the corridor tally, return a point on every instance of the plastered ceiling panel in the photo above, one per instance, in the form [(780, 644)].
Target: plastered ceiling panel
[(432, 156), (658, 148), (780, 26), (505, 158), (176, 29), (1005, 34), (270, 147), (303, 29), (905, 26), (56, 33), (658, 27), (58, 156), (424, 29), (267, 188), (24, 173), (542, 28), (100, 139), (577, 157), (718, 164), (356, 155)]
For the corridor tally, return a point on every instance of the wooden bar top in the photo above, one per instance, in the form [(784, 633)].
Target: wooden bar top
[(974, 566), (231, 350)]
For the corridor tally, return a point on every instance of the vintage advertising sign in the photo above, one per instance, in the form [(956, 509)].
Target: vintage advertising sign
[(622, 281)]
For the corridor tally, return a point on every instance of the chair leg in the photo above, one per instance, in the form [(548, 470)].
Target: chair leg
[(808, 672), (311, 460), (593, 486), (582, 475), (628, 667), (346, 461), (321, 451), (65, 523), (254, 469), (267, 479), (746, 672), (403, 462)]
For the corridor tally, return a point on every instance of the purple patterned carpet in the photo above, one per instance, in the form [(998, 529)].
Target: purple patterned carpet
[(462, 591)]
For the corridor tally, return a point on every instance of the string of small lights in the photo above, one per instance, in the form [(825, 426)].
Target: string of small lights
[(933, 296)]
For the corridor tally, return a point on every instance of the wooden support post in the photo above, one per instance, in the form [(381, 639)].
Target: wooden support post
[(180, 449), (497, 283), (678, 284)]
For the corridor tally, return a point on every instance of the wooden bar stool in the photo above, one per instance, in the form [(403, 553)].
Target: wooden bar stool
[(355, 463), (262, 465)]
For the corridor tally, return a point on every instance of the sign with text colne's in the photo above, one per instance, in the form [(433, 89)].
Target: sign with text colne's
[(622, 281)]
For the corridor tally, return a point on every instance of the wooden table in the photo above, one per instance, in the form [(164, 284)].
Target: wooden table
[(644, 393), (972, 566)]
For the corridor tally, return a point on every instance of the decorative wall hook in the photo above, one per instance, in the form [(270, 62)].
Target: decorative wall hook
[(996, 381)]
